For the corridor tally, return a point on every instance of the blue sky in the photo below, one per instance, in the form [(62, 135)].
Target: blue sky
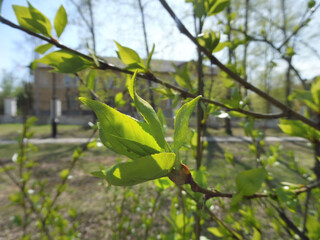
[(16, 53)]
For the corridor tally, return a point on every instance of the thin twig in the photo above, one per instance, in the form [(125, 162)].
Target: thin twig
[(301, 25), (64, 180), (149, 76), (214, 193), (233, 232), (305, 215), (288, 111), (32, 206)]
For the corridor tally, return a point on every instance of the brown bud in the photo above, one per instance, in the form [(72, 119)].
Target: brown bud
[(181, 176)]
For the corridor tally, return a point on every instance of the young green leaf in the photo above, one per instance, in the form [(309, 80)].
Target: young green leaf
[(221, 46), (118, 99), (123, 133), (1, 1), (65, 62), (249, 182), (60, 21), (148, 113), (149, 57), (162, 118), (181, 123), (219, 6), (91, 79), (22, 14), (305, 96), (139, 171), (130, 57), (315, 91), (40, 19), (64, 173), (43, 48), (182, 77), (216, 231), (32, 19), (294, 128), (313, 226), (311, 3)]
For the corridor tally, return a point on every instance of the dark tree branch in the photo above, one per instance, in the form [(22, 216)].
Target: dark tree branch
[(148, 76), (232, 231), (265, 40), (288, 111), (290, 224), (301, 25), (214, 193), (305, 215)]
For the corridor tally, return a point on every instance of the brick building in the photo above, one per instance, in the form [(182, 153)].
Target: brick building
[(65, 87)]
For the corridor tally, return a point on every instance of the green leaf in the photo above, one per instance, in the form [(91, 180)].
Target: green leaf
[(162, 118), (118, 99), (294, 128), (199, 8), (122, 133), (311, 3), (209, 40), (141, 170), (32, 19), (215, 231), (65, 62), (64, 173), (1, 1), (249, 182), (148, 113), (22, 14), (43, 48), (305, 96), (130, 57), (40, 19), (287, 197), (149, 57), (290, 52), (315, 91), (221, 46), (313, 227), (181, 123), (60, 21), (219, 6), (182, 77), (91, 79), (229, 157)]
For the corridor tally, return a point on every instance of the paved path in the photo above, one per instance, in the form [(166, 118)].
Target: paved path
[(169, 139)]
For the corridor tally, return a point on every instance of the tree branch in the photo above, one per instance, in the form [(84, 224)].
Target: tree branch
[(287, 111), (302, 24), (188, 179), (147, 76), (233, 232)]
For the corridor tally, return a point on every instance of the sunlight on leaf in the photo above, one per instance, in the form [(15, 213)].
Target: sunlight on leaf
[(60, 21), (141, 170)]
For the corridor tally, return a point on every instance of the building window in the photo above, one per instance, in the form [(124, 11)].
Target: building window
[(67, 81), (70, 81)]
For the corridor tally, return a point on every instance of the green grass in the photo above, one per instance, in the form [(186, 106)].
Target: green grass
[(10, 131), (96, 205)]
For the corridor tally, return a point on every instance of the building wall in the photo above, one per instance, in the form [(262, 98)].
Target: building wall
[(66, 90)]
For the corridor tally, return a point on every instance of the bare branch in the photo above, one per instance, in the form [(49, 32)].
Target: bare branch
[(148, 76), (288, 112)]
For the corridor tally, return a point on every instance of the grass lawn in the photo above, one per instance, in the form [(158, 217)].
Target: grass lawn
[(98, 207), (10, 131)]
